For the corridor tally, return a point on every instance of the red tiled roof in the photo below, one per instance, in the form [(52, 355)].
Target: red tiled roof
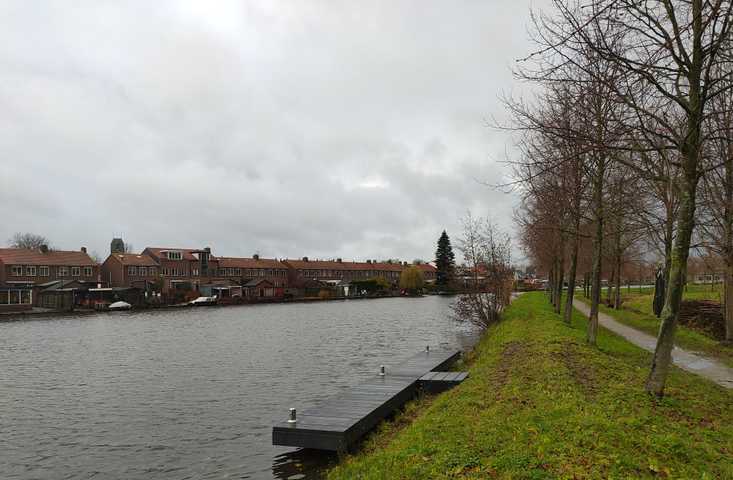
[(335, 265), (23, 256), (187, 253), (426, 267), (241, 262), (134, 259)]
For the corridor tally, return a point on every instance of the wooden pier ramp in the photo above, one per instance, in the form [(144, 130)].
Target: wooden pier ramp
[(340, 421)]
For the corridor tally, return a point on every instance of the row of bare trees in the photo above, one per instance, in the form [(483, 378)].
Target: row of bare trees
[(627, 148)]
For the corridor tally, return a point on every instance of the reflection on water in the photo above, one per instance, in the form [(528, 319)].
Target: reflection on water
[(193, 393), (302, 463)]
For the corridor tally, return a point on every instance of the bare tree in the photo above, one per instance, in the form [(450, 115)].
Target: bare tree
[(30, 241), (487, 253)]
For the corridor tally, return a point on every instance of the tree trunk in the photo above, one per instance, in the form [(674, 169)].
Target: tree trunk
[(609, 290), (560, 278), (728, 239), (617, 297), (660, 296), (670, 312), (551, 283), (592, 334), (729, 301), (691, 150), (571, 279)]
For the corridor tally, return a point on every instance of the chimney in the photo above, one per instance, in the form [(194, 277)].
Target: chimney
[(305, 259), (44, 248), (338, 260), (256, 256), (84, 249), (207, 250), (369, 262)]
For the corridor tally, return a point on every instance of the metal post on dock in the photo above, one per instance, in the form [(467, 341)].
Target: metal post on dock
[(291, 418), (381, 370)]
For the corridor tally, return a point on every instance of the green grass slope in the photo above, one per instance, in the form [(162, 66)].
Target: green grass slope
[(539, 403)]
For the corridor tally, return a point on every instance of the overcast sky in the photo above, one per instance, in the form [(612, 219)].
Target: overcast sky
[(327, 129)]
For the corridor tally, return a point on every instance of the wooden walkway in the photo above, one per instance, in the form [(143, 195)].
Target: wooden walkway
[(340, 421), (437, 382)]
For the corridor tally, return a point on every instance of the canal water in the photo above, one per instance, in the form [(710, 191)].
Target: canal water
[(193, 393)]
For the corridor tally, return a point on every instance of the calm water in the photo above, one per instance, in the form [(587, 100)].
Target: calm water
[(192, 393)]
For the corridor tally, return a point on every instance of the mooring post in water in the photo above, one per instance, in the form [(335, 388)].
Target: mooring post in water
[(381, 370), (291, 418), (427, 348)]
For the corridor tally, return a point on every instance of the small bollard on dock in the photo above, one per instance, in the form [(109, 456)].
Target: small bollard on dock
[(381, 370), (292, 416)]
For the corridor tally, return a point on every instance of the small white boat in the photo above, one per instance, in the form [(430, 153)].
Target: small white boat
[(203, 301), (120, 306)]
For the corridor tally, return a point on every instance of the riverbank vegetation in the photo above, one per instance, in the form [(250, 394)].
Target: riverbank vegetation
[(541, 403), (489, 273), (412, 281)]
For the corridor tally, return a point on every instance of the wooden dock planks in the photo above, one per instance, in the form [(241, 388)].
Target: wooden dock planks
[(436, 382), (340, 421)]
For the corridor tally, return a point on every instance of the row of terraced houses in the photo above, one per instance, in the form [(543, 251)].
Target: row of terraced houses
[(67, 279)]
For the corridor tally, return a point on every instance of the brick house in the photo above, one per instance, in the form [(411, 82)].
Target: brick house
[(22, 270), (183, 269), (129, 270), (331, 270), (243, 270)]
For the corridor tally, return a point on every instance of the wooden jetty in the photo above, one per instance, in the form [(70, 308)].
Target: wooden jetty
[(436, 382), (340, 421)]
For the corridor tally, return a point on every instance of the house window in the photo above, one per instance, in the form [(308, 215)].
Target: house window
[(151, 271), (195, 272), (142, 271), (30, 270), (17, 270), (75, 271), (43, 271), (88, 271), (132, 271), (62, 272), (175, 256), (15, 297)]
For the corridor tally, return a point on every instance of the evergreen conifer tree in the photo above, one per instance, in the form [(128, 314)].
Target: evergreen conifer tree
[(444, 261)]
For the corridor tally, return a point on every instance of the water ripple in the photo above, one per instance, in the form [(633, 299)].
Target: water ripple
[(192, 393)]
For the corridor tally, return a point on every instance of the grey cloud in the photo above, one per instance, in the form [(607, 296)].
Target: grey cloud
[(351, 129)]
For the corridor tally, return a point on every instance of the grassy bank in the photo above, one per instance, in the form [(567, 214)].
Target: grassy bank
[(636, 311), (541, 404)]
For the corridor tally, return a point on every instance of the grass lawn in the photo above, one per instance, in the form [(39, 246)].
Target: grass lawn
[(540, 403), (636, 311)]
